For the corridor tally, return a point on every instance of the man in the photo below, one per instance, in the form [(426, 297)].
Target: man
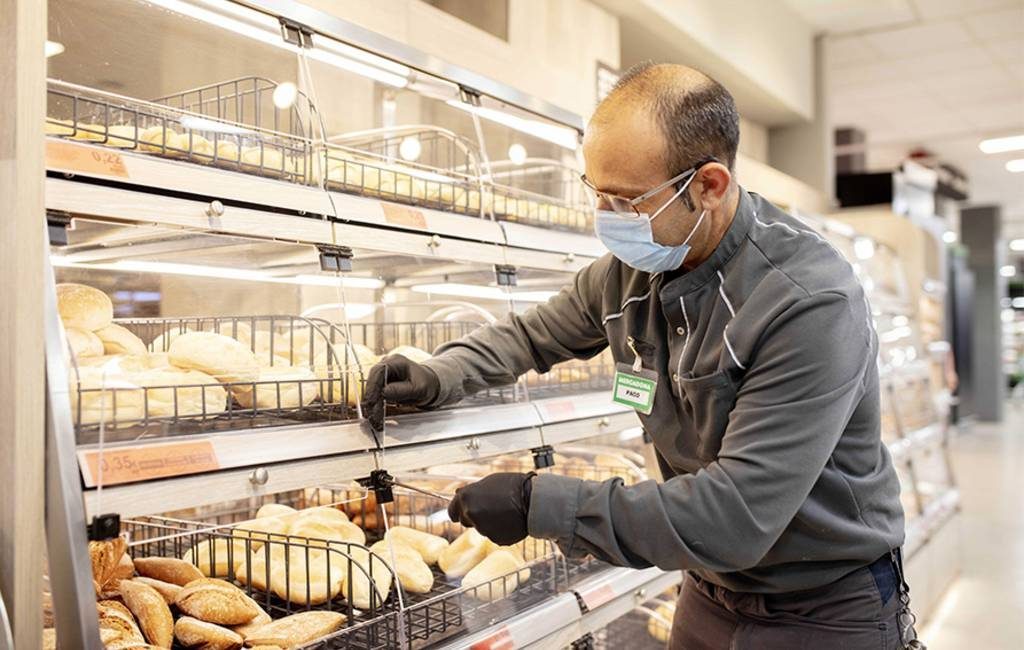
[(781, 502)]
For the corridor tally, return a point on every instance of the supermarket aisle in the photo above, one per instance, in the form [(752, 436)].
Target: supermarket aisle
[(985, 607)]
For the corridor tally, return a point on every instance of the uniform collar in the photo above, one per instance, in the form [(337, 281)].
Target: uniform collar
[(706, 270)]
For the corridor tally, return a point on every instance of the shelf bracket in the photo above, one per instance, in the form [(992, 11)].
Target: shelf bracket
[(335, 259), (505, 275), (543, 456), (296, 34), (58, 223)]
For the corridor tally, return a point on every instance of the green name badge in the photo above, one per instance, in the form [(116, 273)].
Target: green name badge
[(635, 388)]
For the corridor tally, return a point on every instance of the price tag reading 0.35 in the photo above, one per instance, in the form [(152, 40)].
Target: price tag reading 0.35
[(129, 465), (86, 160)]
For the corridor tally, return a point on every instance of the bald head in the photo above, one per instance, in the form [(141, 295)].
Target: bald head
[(694, 115)]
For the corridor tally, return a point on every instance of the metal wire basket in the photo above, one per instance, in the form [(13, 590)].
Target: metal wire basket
[(541, 192), (164, 129)]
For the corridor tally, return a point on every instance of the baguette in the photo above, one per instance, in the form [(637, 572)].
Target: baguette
[(151, 610), (104, 557), (496, 576), (168, 569), (166, 589), (430, 547), (297, 630), (216, 601), (193, 633), (117, 623), (468, 550)]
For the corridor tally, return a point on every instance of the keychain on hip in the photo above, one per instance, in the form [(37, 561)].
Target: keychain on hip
[(904, 617)]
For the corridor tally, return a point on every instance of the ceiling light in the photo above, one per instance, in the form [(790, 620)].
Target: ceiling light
[(561, 135), (1016, 165), (264, 28), (483, 292), (53, 48), (1008, 271), (1018, 302), (517, 154), (949, 237), (1001, 145), (285, 95), (410, 148), (1017, 245), (864, 248)]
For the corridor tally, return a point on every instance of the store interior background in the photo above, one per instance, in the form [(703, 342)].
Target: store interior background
[(868, 112)]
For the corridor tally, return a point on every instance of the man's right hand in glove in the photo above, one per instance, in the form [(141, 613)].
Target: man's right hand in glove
[(399, 381)]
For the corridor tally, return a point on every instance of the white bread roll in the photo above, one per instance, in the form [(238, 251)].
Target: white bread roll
[(119, 340), (413, 573), (153, 138), (370, 584), (123, 136), (469, 549), (319, 532), (89, 132), (83, 343), (269, 157), (239, 330), (288, 387), (98, 394), (347, 366), (227, 150), (297, 574), (216, 557), (183, 393), (215, 354), (487, 576), (55, 126), (84, 307), (273, 521), (430, 547), (162, 342), (412, 353), (660, 626)]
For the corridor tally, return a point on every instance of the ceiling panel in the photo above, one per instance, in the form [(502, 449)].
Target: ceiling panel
[(944, 61), (839, 16), (848, 50), (994, 25), (930, 37), (1009, 52), (932, 9)]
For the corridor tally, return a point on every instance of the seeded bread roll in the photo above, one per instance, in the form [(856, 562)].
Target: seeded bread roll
[(216, 601), (117, 624), (84, 307), (296, 630), (119, 340), (83, 343), (215, 354), (105, 558), (245, 629), (167, 590), (168, 569), (151, 610), (193, 633)]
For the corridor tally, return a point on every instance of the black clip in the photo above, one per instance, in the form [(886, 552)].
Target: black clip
[(647, 437), (104, 527), (381, 483), (505, 275), (57, 226), (335, 258), (469, 96), (543, 456), (296, 34)]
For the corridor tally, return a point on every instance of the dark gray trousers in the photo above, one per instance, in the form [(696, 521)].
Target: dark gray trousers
[(857, 612)]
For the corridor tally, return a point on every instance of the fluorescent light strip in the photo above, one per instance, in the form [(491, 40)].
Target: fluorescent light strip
[(53, 48), (1015, 166), (1002, 145), (482, 292), (268, 33), (1008, 270), (248, 275), (560, 135), (1017, 245), (197, 123)]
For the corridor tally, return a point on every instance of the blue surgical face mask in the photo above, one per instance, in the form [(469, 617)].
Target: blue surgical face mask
[(630, 238)]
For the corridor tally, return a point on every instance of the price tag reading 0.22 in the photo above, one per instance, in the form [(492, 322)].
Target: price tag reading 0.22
[(143, 463)]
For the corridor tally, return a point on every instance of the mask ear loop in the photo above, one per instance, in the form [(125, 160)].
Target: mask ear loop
[(692, 232), (674, 196)]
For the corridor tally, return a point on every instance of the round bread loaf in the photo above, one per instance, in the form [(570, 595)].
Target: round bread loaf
[(278, 387), (215, 354), (119, 340), (83, 343), (84, 307)]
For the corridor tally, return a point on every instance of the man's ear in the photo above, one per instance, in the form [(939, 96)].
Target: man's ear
[(714, 179)]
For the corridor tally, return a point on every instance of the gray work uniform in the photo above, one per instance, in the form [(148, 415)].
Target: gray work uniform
[(765, 419)]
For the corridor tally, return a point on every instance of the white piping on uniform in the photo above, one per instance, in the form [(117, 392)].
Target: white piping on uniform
[(721, 290), (728, 346), (629, 301), (732, 314), (686, 342)]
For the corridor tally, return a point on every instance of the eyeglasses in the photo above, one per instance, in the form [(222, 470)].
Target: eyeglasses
[(629, 207)]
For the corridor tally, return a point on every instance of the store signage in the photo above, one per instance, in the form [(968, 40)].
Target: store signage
[(72, 157), (117, 465)]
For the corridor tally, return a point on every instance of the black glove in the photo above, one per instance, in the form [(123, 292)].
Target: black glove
[(496, 505), (399, 381)]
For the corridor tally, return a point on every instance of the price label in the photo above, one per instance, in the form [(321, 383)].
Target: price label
[(146, 462), (597, 597), (500, 641), (72, 157), (399, 215), (562, 408)]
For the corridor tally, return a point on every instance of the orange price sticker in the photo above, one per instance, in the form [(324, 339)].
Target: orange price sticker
[(72, 157), (145, 462), (398, 215), (560, 408), (597, 597), (500, 641)]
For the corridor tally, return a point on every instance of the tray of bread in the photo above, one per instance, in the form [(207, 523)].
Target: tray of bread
[(542, 192), (301, 571), (162, 129), (134, 378)]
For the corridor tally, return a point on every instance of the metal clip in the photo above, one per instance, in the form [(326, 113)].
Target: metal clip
[(505, 275), (638, 363), (543, 456), (296, 34), (57, 226), (335, 258), (104, 527), (380, 482)]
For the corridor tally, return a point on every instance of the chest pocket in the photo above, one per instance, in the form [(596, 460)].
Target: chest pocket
[(708, 400)]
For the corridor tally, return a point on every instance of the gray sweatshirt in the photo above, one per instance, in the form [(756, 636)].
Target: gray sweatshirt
[(765, 416)]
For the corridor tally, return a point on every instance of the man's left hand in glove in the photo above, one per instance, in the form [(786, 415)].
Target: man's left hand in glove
[(497, 505)]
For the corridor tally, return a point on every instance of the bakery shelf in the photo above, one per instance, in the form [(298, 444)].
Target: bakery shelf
[(616, 591)]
